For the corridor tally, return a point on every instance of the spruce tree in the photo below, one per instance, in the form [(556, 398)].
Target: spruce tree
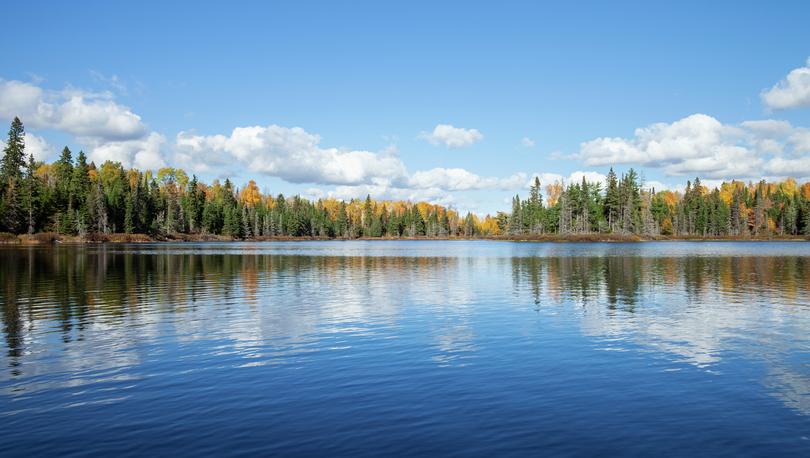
[(612, 200), (535, 207), (129, 214), (79, 187), (342, 221), (11, 178), (32, 195), (14, 153)]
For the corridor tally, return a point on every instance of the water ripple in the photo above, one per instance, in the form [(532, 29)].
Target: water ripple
[(369, 348)]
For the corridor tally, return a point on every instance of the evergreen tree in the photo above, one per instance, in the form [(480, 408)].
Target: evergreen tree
[(368, 216), (79, 186), (129, 214), (33, 188), (516, 219), (612, 200), (11, 178), (534, 208), (14, 153)]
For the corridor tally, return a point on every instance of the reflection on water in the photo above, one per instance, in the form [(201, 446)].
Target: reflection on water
[(694, 310), (114, 330)]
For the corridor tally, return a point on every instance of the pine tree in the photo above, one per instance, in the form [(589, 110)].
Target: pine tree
[(612, 200), (516, 220), (63, 171), (79, 186), (129, 214), (11, 178), (32, 195), (14, 153), (100, 220), (535, 208), (394, 225), (368, 216), (246, 223), (807, 219)]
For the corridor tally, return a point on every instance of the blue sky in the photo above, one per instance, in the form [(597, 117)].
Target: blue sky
[(454, 102)]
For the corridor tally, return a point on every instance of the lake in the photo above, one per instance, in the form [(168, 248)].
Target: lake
[(369, 348)]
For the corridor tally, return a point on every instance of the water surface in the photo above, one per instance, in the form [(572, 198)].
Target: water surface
[(370, 348)]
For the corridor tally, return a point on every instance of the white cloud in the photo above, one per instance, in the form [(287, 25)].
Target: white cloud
[(141, 153), (781, 167), (800, 140), (658, 186), (527, 142), (791, 92), (768, 127), (36, 145), (701, 145), (108, 130), (297, 156), (79, 113), (292, 154), (573, 178), (430, 195), (452, 137), (456, 179)]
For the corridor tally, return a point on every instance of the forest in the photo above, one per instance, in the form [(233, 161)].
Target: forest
[(73, 197)]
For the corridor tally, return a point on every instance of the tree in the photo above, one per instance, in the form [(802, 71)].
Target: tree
[(63, 173), (368, 216), (534, 208), (79, 187), (14, 153), (612, 200), (73, 196), (98, 211), (342, 221), (516, 219), (32, 195), (129, 213), (11, 178)]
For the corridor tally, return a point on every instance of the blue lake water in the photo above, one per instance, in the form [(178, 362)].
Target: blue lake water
[(466, 348)]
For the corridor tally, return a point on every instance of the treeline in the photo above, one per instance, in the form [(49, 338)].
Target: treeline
[(72, 196), (735, 209)]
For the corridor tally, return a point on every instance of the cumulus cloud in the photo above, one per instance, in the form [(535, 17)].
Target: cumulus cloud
[(659, 186), (107, 129), (575, 177), (297, 156), (791, 92), (141, 153), (800, 140), (456, 179), (781, 167), (701, 145), (79, 113), (292, 154), (452, 137), (527, 142), (38, 146), (431, 195)]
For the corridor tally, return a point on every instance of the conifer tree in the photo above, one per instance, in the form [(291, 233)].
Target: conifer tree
[(33, 187), (11, 178)]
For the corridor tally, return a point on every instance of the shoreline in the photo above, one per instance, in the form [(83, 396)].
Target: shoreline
[(52, 238)]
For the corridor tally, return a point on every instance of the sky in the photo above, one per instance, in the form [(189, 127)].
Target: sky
[(457, 103)]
